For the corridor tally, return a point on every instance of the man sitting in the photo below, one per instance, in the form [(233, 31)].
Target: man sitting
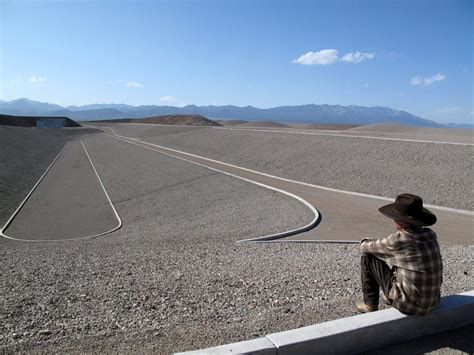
[(406, 265)]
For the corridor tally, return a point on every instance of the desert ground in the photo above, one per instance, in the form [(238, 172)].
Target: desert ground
[(174, 276)]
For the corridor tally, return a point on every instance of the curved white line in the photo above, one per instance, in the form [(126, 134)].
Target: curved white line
[(68, 239), (309, 226), (442, 208)]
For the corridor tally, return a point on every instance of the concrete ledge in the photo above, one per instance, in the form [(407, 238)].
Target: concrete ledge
[(358, 333), (260, 346)]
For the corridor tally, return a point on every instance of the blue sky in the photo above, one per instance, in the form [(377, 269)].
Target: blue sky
[(409, 55)]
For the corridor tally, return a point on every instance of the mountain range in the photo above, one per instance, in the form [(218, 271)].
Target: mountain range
[(322, 114)]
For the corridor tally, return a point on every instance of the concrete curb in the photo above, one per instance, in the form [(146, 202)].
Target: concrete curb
[(358, 333)]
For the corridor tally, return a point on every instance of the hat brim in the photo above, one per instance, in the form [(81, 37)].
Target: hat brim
[(426, 218)]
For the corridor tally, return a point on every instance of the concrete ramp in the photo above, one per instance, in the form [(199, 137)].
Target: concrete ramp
[(68, 202)]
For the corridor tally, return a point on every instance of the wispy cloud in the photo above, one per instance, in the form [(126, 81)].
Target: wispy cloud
[(36, 79), (428, 80), (12, 81), (323, 57), (171, 100), (128, 83), (331, 56), (133, 84), (357, 57)]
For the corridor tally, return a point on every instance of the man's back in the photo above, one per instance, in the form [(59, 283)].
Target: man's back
[(415, 256)]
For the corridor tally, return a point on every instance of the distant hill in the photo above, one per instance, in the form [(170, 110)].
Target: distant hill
[(89, 115), (231, 122), (422, 131), (263, 124), (25, 107), (316, 114), (186, 120), (459, 125)]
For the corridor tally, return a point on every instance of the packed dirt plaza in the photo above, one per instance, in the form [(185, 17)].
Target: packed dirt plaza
[(152, 259)]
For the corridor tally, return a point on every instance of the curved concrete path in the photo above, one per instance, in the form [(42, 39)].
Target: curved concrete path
[(68, 202), (344, 216)]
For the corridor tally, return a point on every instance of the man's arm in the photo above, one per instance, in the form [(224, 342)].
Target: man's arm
[(384, 248)]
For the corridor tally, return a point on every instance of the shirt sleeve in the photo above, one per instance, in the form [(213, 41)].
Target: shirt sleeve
[(385, 248)]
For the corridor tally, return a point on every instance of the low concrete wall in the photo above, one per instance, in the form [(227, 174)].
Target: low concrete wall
[(358, 333)]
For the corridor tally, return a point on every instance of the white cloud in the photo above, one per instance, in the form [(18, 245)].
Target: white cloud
[(331, 56), (323, 57), (12, 81), (36, 79), (171, 100), (357, 57), (428, 80), (127, 83), (133, 84)]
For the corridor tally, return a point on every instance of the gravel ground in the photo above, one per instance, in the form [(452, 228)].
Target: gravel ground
[(173, 277), (441, 174)]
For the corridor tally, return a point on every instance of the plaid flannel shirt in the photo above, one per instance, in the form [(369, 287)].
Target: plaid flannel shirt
[(415, 258)]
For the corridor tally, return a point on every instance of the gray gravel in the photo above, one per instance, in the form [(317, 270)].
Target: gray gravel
[(173, 277), (441, 174)]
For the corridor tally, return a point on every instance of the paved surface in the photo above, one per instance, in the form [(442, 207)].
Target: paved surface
[(344, 217), (68, 203)]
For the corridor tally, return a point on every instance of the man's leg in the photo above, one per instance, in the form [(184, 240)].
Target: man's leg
[(375, 274)]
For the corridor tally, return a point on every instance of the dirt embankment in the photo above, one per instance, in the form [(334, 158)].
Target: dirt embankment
[(30, 121), (184, 120), (426, 131), (331, 127)]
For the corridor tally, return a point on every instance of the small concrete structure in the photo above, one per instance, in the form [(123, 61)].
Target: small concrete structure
[(50, 122), (358, 333)]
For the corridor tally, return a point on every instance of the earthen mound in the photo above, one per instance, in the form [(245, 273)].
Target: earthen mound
[(402, 129), (31, 121), (231, 122), (263, 124), (332, 127), (181, 120)]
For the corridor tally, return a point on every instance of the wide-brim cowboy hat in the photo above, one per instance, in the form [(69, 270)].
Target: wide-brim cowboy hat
[(409, 208)]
